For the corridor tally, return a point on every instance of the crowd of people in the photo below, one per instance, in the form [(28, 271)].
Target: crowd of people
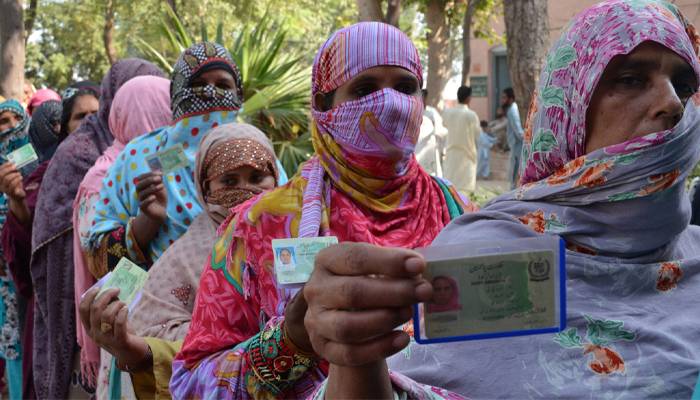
[(456, 145), (611, 136)]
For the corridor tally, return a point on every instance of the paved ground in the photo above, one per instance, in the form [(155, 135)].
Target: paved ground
[(497, 182)]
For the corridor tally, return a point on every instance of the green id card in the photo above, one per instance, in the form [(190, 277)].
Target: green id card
[(494, 293), (168, 160), (23, 156), (128, 277), (294, 258)]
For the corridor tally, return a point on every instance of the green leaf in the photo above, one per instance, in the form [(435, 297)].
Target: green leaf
[(562, 58), (603, 332), (569, 339), (552, 96), (544, 141)]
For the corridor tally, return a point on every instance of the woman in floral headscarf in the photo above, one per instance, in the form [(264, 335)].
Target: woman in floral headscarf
[(364, 185), (613, 131), (141, 212)]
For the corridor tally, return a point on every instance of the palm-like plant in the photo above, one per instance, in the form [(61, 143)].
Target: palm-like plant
[(276, 85)]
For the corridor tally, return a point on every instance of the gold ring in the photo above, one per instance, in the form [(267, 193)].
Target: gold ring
[(106, 327)]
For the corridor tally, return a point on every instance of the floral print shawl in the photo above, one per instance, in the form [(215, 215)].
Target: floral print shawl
[(633, 264)]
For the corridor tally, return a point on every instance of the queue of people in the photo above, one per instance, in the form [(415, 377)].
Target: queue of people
[(212, 320)]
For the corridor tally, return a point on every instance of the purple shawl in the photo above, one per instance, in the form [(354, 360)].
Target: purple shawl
[(633, 264), (52, 237)]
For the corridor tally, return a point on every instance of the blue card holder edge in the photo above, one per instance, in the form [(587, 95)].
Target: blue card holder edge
[(495, 335)]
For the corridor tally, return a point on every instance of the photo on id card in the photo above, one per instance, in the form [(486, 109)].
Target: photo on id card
[(491, 294)]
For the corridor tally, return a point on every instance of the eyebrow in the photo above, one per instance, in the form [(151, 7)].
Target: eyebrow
[(679, 67)]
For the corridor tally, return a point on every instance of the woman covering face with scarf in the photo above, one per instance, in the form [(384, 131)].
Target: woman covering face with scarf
[(363, 185), (140, 106), (52, 240), (234, 163), (142, 212), (612, 134)]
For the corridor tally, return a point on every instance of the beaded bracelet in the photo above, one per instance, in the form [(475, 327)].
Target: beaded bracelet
[(274, 359)]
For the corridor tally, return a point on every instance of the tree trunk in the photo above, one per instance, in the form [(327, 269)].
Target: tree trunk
[(29, 22), (467, 39), (370, 10), (438, 50), (527, 35), (11, 49), (108, 33), (393, 12)]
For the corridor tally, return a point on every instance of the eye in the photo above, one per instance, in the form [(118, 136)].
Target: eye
[(685, 89), (230, 180), (407, 87), (256, 177), (226, 85), (197, 83), (630, 80), (364, 90)]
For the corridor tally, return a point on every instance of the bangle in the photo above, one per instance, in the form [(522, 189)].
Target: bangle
[(275, 363), (145, 363)]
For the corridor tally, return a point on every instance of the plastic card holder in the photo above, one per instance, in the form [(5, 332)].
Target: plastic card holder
[(492, 289)]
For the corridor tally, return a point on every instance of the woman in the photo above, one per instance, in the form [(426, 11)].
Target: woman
[(38, 98), (234, 163), (52, 240), (17, 232), (141, 212), (13, 135), (141, 105), (605, 168), (80, 100), (364, 185)]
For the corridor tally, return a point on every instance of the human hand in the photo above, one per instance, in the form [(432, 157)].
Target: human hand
[(105, 320), (11, 182), (153, 198), (357, 295)]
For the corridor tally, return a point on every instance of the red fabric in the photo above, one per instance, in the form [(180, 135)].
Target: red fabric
[(223, 317)]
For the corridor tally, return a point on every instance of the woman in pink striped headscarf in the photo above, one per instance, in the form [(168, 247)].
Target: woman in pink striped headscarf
[(247, 336), (141, 105)]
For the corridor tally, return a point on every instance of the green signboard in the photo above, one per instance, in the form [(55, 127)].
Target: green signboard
[(479, 85)]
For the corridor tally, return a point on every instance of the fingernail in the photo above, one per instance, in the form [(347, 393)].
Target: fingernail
[(414, 265)]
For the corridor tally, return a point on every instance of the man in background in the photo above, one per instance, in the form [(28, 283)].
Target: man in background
[(429, 147), (462, 139), (515, 134)]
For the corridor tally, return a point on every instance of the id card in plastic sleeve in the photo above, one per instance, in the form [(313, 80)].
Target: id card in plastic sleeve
[(295, 258), (491, 289)]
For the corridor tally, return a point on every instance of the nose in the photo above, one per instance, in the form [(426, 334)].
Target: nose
[(667, 107)]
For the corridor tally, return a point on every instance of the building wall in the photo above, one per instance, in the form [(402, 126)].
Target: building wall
[(560, 12)]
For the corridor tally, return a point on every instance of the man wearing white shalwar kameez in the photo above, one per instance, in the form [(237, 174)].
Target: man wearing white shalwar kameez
[(462, 140)]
